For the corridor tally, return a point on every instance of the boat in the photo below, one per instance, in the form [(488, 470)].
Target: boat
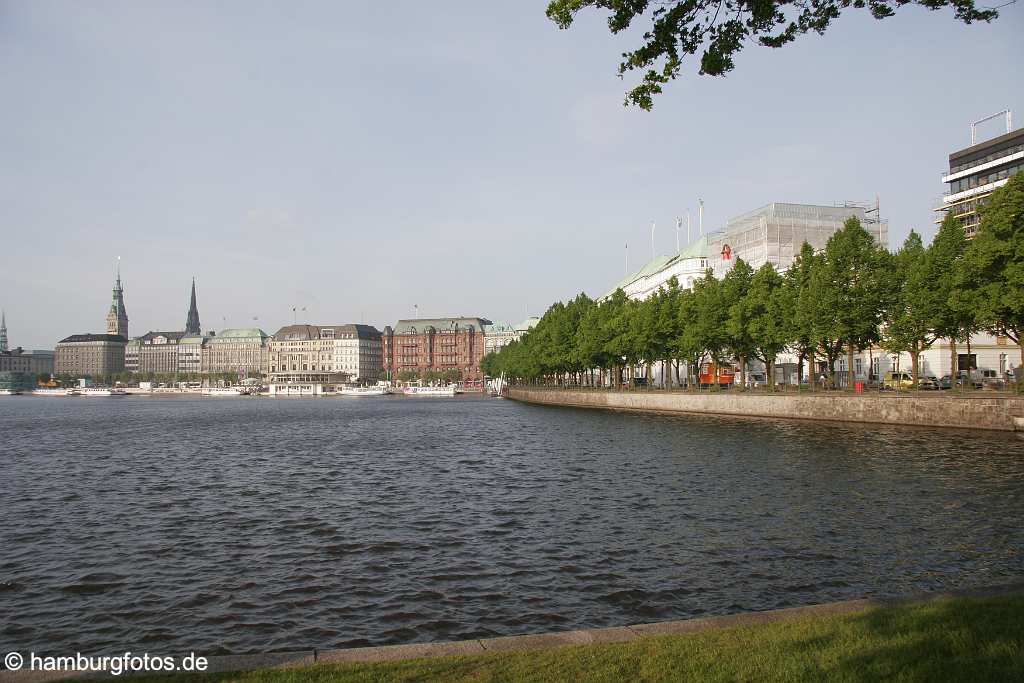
[(102, 391), (224, 391), (429, 391), (9, 392), (364, 391), (59, 391)]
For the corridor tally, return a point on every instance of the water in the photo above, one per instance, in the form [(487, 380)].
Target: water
[(240, 525)]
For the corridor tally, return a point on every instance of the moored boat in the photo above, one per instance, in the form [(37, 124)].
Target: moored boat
[(225, 391), (59, 391), (103, 391), (364, 391), (429, 391)]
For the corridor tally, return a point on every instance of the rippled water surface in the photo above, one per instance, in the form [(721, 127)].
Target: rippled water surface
[(237, 525)]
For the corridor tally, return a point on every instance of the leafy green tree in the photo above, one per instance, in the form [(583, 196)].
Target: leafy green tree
[(705, 326), (993, 264), (718, 30), (762, 310), (798, 308), (849, 284), (738, 333), (914, 304)]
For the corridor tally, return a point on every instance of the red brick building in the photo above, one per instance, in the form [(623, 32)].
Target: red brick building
[(435, 345)]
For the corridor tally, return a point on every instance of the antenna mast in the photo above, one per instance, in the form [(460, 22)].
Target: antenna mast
[(1009, 123)]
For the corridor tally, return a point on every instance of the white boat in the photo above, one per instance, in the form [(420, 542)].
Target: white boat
[(224, 391), (59, 391), (9, 392), (364, 391), (101, 391), (430, 391)]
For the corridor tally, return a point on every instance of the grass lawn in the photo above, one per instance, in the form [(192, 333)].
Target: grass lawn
[(964, 639)]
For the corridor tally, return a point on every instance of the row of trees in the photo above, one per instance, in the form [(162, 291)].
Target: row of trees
[(850, 297)]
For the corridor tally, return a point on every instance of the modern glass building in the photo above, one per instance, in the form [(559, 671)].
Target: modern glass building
[(977, 171)]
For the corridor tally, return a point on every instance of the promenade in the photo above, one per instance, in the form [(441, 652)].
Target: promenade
[(978, 410)]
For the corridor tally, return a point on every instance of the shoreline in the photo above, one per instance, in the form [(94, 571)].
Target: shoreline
[(986, 413), (219, 664)]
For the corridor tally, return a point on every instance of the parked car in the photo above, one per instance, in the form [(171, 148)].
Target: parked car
[(946, 382), (897, 380), (969, 379), (990, 379), (928, 383)]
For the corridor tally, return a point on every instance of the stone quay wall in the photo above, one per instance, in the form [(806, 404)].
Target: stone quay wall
[(994, 412)]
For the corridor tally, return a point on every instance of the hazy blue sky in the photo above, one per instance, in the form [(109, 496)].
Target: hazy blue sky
[(468, 157)]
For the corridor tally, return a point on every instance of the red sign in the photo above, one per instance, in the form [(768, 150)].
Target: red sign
[(726, 252)]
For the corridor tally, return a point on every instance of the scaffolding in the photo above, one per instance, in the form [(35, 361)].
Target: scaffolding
[(775, 233)]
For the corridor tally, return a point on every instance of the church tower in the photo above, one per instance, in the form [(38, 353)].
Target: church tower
[(192, 322), (117, 318), (3, 331)]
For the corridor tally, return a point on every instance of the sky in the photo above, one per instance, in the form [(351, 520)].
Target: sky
[(466, 158)]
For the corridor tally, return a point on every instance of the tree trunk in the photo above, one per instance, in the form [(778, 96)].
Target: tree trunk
[(952, 361), (850, 375), (914, 362)]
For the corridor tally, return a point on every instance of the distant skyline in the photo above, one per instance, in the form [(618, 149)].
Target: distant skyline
[(470, 159)]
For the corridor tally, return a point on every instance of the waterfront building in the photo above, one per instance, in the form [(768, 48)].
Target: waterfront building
[(157, 352), (775, 233), (975, 172), (36, 362), (324, 354), (245, 351), (167, 352), (687, 265), (190, 353), (95, 355), (500, 334), (435, 345)]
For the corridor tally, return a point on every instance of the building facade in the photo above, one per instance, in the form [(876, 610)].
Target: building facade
[(244, 351), (499, 334), (95, 355), (325, 354), (975, 172), (435, 345), (36, 362), (775, 233), (158, 352)]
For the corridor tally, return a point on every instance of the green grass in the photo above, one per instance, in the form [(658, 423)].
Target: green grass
[(945, 640)]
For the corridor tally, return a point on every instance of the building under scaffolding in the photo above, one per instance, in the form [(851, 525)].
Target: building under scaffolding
[(775, 233)]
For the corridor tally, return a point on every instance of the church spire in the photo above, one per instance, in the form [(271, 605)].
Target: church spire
[(192, 322), (117, 318), (3, 331)]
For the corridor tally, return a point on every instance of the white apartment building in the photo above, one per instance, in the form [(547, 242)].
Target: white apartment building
[(325, 354)]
